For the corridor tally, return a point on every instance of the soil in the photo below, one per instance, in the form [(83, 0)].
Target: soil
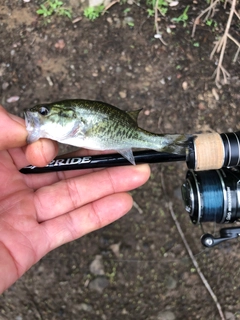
[(143, 269)]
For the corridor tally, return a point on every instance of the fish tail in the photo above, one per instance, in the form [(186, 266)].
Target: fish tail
[(176, 143)]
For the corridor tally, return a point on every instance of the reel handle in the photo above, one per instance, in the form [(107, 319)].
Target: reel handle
[(225, 234)]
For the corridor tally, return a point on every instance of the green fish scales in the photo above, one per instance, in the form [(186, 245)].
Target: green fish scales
[(97, 125)]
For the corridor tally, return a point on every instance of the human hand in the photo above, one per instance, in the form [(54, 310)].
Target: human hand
[(41, 212)]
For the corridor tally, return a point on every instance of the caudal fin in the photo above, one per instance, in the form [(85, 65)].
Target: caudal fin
[(177, 144)]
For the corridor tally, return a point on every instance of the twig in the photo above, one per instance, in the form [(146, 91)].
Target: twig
[(209, 8), (140, 210), (158, 35), (195, 263), (77, 20), (221, 46), (236, 55), (110, 5), (237, 44), (236, 13), (234, 40)]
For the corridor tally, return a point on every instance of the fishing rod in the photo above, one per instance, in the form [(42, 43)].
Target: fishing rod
[(207, 151), (211, 190)]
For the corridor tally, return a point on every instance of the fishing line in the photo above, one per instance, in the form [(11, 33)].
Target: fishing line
[(211, 196)]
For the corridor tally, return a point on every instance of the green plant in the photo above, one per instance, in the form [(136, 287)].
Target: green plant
[(51, 7), (130, 24), (93, 13), (162, 7), (150, 12), (126, 10), (112, 275), (211, 23), (183, 17)]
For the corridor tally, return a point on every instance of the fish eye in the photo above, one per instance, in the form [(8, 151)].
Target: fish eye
[(43, 111)]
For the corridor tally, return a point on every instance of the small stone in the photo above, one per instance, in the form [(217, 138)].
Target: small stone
[(201, 106), (166, 315), (148, 68), (185, 85), (99, 284), (85, 307), (170, 283), (95, 3), (118, 69), (229, 315), (110, 20), (116, 249), (13, 99), (124, 311), (117, 21), (5, 85), (173, 3), (96, 267), (60, 44), (123, 94)]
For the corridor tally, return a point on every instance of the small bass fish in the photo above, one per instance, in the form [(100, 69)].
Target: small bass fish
[(97, 125)]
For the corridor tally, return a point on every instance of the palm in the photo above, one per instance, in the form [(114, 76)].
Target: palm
[(17, 217), (40, 212)]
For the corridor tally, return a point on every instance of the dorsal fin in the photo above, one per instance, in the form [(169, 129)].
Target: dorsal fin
[(134, 114)]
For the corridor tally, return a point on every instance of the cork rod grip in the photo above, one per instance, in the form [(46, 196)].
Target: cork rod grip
[(211, 151)]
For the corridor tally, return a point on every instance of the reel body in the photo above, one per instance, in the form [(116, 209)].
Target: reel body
[(213, 195)]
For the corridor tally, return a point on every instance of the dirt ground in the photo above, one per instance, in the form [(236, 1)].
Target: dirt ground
[(143, 269)]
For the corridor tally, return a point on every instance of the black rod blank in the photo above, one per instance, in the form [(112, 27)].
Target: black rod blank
[(103, 160)]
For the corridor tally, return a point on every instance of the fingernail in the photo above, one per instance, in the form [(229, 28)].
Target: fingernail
[(143, 168)]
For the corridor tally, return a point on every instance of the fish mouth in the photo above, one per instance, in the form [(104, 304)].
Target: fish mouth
[(30, 120), (32, 125)]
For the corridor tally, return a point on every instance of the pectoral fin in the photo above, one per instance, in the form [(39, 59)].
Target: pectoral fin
[(127, 153), (78, 130)]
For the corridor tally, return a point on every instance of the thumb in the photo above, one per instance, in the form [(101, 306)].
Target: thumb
[(13, 134), (13, 131)]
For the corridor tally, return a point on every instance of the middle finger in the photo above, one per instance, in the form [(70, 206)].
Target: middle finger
[(70, 194)]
